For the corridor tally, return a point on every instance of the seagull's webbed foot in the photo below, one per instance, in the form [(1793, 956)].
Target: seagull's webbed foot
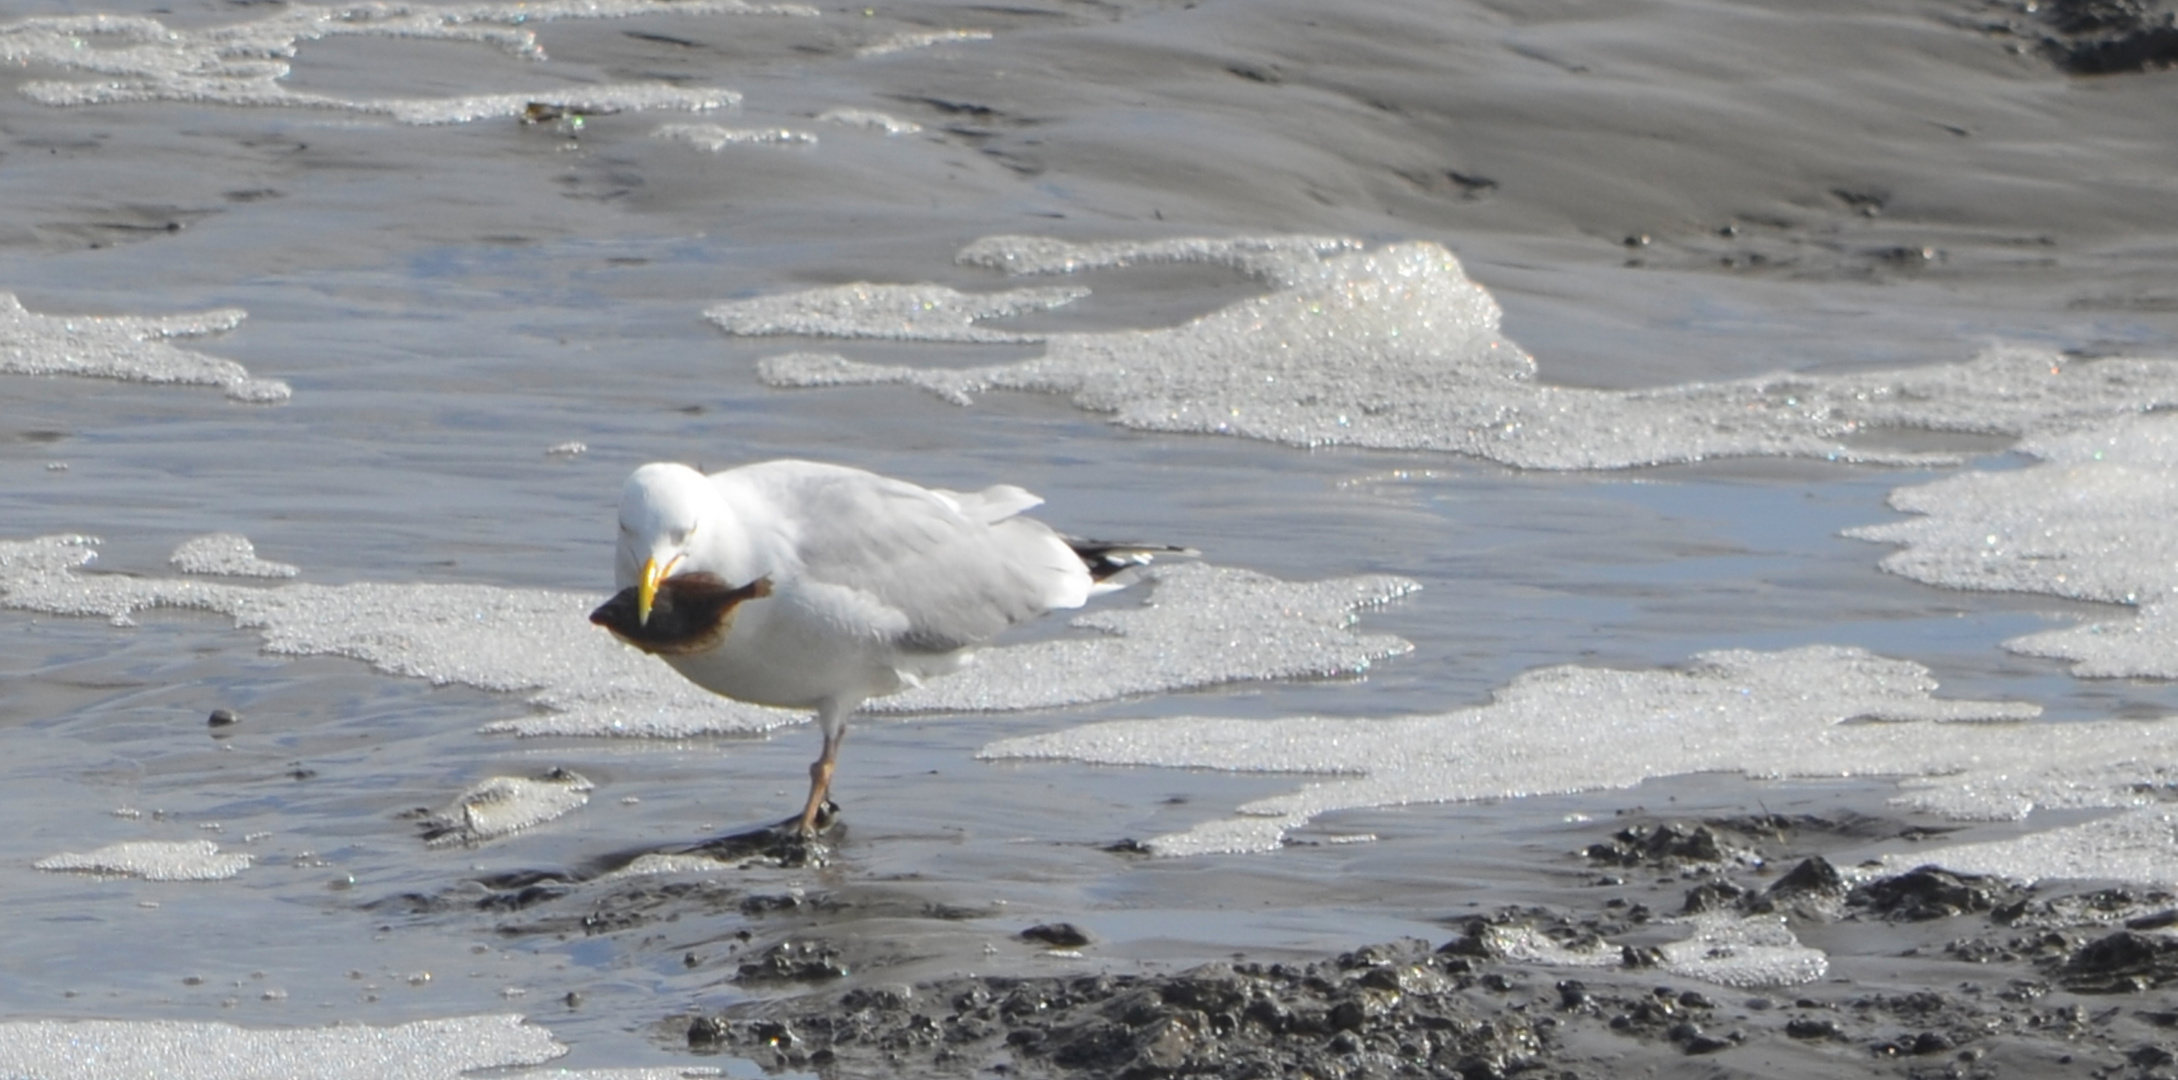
[(803, 840), (784, 843)]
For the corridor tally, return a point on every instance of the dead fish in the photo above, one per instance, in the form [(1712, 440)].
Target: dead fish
[(691, 613)]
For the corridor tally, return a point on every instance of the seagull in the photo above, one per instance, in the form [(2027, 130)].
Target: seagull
[(804, 585)]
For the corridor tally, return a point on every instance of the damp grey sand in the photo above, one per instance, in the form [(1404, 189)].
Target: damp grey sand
[(1661, 476)]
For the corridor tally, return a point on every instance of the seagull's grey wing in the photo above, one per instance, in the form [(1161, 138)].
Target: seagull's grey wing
[(992, 504), (953, 581)]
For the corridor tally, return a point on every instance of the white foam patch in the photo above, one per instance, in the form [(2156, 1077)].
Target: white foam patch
[(131, 348), (152, 860), (1199, 625), (589, 101), (138, 58), (714, 138), (1195, 626), (1813, 712), (2138, 845), (529, 641), (2113, 764), (920, 39), (898, 312), (1725, 949), (660, 864), (1744, 952), (1283, 261), (228, 555), (867, 118), (450, 1049), (669, 1072), (1395, 348), (2143, 647), (502, 805), (2089, 523)]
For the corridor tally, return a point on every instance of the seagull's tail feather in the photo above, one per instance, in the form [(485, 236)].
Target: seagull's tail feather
[(1105, 558)]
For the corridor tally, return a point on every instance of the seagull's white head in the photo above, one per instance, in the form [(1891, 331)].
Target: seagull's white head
[(662, 510)]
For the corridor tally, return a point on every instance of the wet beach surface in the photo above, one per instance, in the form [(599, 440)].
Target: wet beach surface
[(1497, 633)]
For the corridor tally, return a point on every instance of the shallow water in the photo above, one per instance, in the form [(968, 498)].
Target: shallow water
[(450, 303)]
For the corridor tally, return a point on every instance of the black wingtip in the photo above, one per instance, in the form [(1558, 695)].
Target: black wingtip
[(1105, 558)]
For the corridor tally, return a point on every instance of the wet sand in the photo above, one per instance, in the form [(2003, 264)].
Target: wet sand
[(1928, 972)]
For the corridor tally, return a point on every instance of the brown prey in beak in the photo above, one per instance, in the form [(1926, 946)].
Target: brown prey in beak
[(676, 616)]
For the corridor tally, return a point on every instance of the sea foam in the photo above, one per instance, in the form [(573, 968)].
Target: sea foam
[(1394, 347), (449, 1049), (1815, 712), (139, 58), (2090, 522), (1191, 625), (130, 348)]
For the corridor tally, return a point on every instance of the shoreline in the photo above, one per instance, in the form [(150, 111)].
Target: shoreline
[(1930, 973)]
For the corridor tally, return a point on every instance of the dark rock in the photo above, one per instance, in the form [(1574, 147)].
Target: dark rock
[(2151, 1056), (1211, 989), (704, 1031), (1805, 1027), (223, 718), (1473, 941), (765, 904), (2158, 921), (1098, 1046), (791, 961), (1057, 935), (1662, 844), (872, 997), (2123, 962), (1712, 896), (1214, 1021), (1690, 1037), (1930, 1042), (783, 843), (1931, 892), (1705, 1044), (1814, 876), (773, 1033), (2106, 37), (518, 899)]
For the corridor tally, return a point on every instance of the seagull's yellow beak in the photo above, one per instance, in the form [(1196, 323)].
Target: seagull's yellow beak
[(646, 593)]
